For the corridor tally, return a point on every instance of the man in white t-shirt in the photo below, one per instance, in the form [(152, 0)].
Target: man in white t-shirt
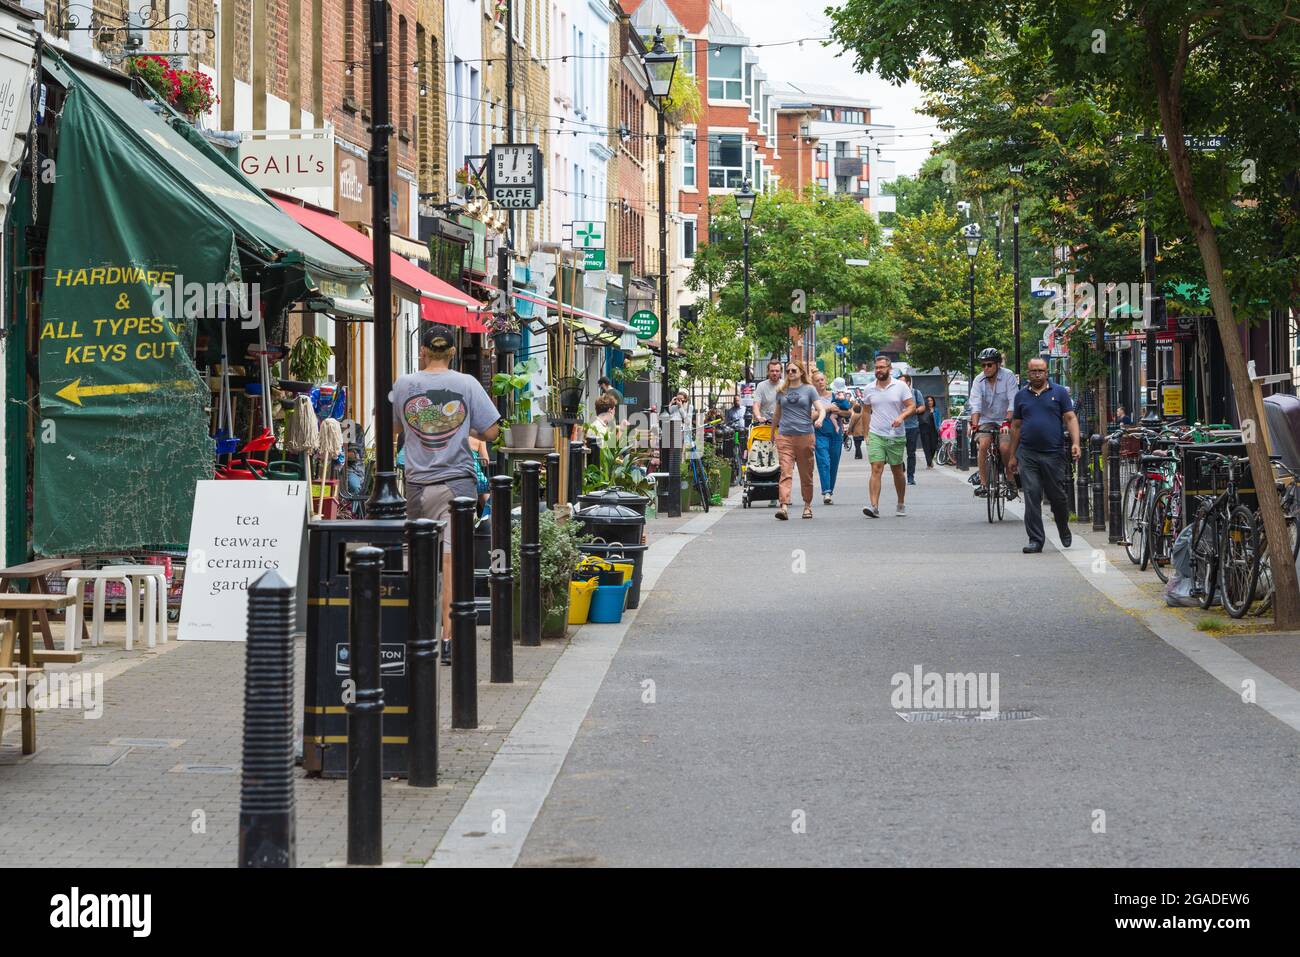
[(891, 403), (765, 393)]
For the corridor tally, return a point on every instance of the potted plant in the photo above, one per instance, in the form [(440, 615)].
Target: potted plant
[(560, 555), (309, 359), (505, 329), (518, 383), (545, 438)]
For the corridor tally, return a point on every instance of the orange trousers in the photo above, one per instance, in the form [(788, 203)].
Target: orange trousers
[(795, 450)]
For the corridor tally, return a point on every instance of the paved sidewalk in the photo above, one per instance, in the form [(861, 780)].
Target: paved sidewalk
[(154, 782)]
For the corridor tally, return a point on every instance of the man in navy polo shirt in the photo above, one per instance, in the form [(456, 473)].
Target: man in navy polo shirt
[(1041, 412)]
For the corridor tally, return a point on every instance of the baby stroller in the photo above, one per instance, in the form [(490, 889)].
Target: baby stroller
[(762, 473), (947, 451)]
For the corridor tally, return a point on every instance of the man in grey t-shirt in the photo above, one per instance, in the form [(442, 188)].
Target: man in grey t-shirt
[(439, 410), (765, 393)]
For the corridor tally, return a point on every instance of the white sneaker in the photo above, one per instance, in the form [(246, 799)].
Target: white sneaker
[(902, 509)]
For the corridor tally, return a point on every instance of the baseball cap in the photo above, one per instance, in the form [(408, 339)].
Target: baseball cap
[(437, 337)]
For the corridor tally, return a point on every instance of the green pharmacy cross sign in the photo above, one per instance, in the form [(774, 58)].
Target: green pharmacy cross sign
[(591, 234), (645, 322)]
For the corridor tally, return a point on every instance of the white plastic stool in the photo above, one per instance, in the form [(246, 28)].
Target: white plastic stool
[(76, 579), (154, 609)]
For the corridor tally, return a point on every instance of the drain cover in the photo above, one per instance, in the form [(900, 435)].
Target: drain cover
[(97, 756), (203, 769), (148, 742), (968, 717)]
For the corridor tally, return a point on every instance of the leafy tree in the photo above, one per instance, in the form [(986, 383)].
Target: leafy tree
[(1177, 68), (914, 195), (935, 320), (798, 248), (714, 352)]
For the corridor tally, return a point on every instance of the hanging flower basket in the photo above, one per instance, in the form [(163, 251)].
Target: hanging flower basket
[(569, 390), (508, 341)]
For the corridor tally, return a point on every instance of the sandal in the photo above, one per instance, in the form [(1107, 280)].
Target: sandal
[(782, 513), (807, 511)]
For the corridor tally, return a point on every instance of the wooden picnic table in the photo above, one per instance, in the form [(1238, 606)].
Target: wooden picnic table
[(19, 641), (35, 573)]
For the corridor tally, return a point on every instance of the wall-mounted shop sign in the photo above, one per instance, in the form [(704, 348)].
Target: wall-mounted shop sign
[(280, 164), (515, 175)]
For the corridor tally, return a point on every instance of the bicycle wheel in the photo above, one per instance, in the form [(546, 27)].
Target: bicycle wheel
[(1132, 514), (1001, 501), (991, 499), (1160, 533), (701, 485), (1205, 555), (1237, 561)]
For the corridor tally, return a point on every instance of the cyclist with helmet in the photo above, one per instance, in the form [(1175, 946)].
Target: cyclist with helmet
[(992, 396)]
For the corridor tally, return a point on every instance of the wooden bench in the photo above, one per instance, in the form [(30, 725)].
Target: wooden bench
[(35, 573), (17, 654)]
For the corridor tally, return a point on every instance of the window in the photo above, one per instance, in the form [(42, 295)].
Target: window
[(350, 65), (404, 75), (726, 160), (749, 84), (724, 73), (821, 154), (841, 148), (688, 158), (518, 25), (686, 61), (688, 239)]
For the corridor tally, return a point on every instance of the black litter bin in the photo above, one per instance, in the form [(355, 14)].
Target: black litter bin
[(325, 719), (608, 520), (622, 497)]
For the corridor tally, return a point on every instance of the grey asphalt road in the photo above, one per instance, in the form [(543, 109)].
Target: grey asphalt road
[(772, 705)]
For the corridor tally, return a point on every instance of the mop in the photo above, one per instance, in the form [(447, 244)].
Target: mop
[(302, 433), (331, 444)]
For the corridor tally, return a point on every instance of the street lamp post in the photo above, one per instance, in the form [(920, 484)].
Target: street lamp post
[(971, 239), (1016, 169), (660, 64), (385, 501), (745, 209)]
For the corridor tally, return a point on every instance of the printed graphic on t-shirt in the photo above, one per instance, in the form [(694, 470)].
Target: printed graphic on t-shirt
[(435, 415)]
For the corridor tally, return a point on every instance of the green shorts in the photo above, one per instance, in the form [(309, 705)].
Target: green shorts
[(881, 448)]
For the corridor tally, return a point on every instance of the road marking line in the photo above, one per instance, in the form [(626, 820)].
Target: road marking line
[(519, 779), (1209, 654)]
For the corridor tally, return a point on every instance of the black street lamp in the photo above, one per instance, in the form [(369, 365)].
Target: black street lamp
[(660, 63), (385, 501), (1015, 169), (745, 209), (970, 238)]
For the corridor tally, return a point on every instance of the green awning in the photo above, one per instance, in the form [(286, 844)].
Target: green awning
[(147, 235), (260, 225)]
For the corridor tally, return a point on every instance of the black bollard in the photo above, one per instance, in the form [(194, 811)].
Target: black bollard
[(503, 626), (1115, 497), (1083, 484), (365, 710), (1098, 486), (577, 458), (266, 814), (530, 556), (424, 618), (464, 616), (502, 464), (552, 481), (963, 446)]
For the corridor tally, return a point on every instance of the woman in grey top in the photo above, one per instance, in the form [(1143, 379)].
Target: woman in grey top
[(797, 415)]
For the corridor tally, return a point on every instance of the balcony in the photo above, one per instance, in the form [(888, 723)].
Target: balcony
[(848, 166)]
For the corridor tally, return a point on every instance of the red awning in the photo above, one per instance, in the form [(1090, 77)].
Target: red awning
[(439, 300)]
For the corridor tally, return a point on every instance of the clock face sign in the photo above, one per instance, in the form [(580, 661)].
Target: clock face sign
[(514, 173)]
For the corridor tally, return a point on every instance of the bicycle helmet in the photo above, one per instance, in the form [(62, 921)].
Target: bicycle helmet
[(990, 355)]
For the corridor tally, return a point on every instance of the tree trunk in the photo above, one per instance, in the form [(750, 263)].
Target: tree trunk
[(1286, 599)]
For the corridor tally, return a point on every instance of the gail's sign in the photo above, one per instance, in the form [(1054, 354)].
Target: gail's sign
[(278, 164), (240, 530)]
